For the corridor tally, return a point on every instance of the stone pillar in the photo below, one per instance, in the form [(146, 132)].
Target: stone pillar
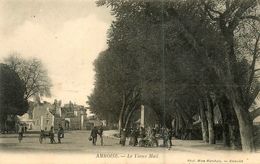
[(142, 116), (82, 122)]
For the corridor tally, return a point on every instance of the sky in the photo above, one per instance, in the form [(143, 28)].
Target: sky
[(67, 35)]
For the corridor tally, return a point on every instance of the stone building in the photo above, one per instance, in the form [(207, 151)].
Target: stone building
[(42, 117), (75, 116)]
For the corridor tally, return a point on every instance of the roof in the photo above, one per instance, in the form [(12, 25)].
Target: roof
[(24, 118)]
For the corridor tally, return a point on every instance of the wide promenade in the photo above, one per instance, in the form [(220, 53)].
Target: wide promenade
[(76, 147)]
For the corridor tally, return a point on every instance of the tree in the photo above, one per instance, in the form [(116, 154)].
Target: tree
[(116, 87), (12, 90), (32, 73), (182, 70), (241, 93)]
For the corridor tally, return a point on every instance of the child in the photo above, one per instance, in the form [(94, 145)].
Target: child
[(51, 133)]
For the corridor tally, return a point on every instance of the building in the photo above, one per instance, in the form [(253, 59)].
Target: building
[(75, 116), (26, 120), (42, 117)]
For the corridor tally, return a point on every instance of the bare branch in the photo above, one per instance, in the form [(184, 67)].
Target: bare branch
[(251, 17), (252, 74), (257, 70), (255, 113)]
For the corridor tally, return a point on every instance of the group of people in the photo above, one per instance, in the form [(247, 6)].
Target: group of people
[(147, 137), (138, 136), (43, 134), (167, 135), (51, 134), (95, 132)]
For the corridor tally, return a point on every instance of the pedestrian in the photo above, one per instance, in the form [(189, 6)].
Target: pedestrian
[(142, 133), (170, 133), (123, 137), (51, 135), (131, 141), (142, 137), (93, 134), (188, 131), (153, 137), (149, 131), (166, 137), (136, 135), (60, 133), (20, 132), (100, 133), (42, 136), (167, 142)]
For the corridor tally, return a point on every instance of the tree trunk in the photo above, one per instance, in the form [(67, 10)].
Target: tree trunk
[(120, 121), (3, 118), (204, 125), (121, 115), (235, 139), (177, 126), (245, 123), (210, 118), (129, 117), (233, 136), (125, 114), (242, 113), (225, 134), (181, 127), (225, 126)]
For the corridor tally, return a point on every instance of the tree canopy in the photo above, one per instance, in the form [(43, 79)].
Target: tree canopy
[(181, 58), (33, 74), (12, 89)]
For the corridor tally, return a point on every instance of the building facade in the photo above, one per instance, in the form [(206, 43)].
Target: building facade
[(42, 117)]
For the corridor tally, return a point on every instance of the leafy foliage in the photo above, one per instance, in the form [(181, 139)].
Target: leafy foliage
[(11, 93), (179, 52)]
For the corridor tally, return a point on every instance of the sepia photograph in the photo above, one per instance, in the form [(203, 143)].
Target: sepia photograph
[(130, 81)]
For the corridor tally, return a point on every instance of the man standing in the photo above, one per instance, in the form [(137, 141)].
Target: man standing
[(93, 134), (100, 132), (51, 134), (164, 136), (20, 132), (153, 137), (170, 132), (132, 140), (136, 135), (60, 133), (123, 137)]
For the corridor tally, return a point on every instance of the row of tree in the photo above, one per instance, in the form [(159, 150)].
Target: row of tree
[(182, 58)]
